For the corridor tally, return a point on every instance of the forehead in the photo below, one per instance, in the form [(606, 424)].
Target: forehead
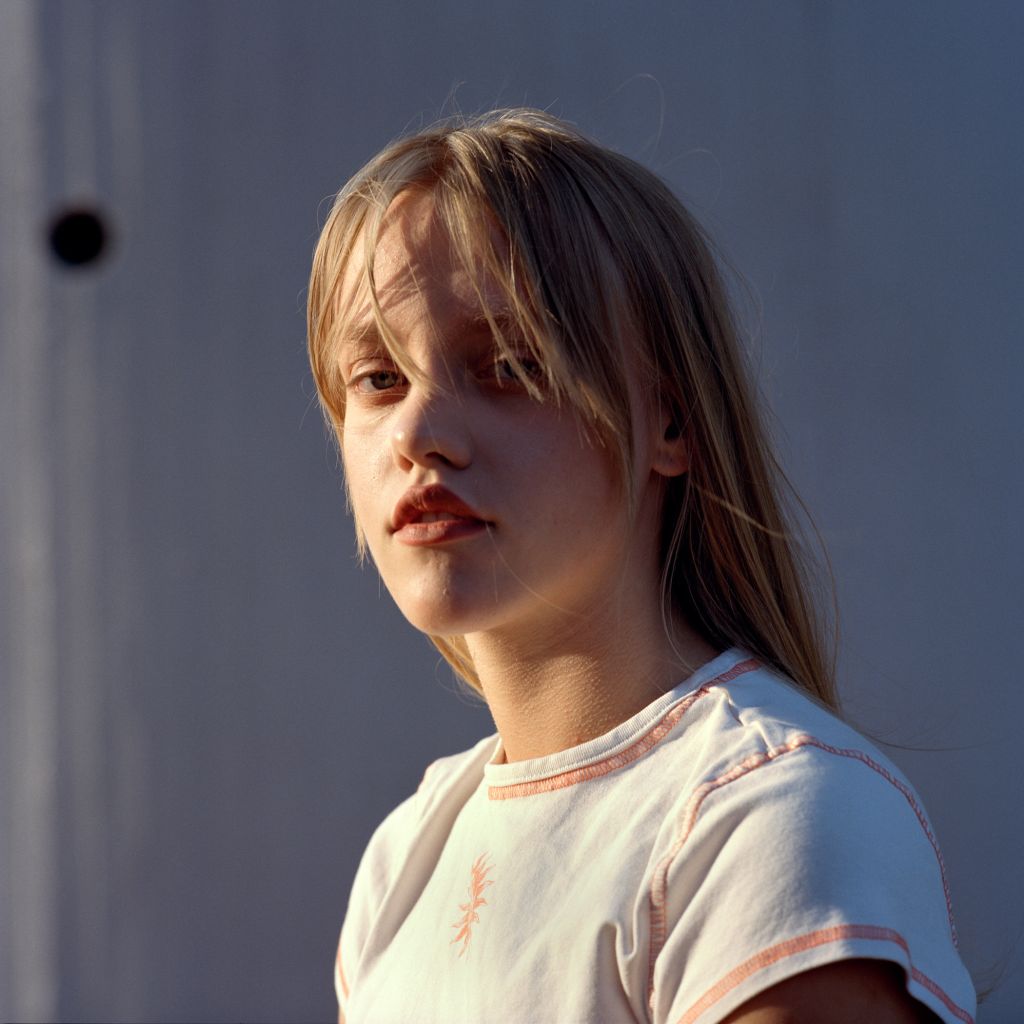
[(417, 268)]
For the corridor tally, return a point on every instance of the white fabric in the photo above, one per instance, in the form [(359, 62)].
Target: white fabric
[(728, 836)]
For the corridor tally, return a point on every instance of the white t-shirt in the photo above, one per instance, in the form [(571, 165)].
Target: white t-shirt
[(730, 835)]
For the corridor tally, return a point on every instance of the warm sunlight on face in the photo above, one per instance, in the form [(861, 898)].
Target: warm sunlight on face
[(483, 508)]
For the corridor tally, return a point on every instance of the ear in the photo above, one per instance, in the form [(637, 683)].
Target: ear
[(671, 453)]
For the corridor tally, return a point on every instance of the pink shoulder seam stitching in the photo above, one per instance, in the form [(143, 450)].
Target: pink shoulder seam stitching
[(633, 752), (660, 882)]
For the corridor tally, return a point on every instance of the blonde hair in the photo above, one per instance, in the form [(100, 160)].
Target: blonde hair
[(605, 278)]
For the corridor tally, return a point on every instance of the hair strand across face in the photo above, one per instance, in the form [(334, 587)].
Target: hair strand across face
[(610, 285)]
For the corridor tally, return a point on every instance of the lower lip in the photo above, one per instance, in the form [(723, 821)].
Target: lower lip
[(441, 531)]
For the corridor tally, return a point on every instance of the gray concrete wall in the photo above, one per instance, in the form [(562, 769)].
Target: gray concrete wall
[(205, 707)]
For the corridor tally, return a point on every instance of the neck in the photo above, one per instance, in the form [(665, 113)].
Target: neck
[(551, 689)]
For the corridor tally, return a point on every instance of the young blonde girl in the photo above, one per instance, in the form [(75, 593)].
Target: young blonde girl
[(554, 456)]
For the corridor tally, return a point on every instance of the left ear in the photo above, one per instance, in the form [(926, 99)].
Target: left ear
[(671, 453)]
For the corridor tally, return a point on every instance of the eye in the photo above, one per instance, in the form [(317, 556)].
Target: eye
[(524, 369), (375, 382)]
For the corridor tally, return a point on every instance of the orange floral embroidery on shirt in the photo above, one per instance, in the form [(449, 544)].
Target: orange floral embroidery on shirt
[(478, 881)]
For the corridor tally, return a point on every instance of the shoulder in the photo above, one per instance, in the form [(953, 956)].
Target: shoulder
[(441, 773), (795, 844), (447, 779), (793, 799), (399, 842), (760, 726)]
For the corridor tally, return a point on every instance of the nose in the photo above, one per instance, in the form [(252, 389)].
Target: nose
[(430, 431)]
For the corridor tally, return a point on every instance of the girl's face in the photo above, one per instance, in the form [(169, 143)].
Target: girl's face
[(533, 528)]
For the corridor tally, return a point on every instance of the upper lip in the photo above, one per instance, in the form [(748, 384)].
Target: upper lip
[(429, 498)]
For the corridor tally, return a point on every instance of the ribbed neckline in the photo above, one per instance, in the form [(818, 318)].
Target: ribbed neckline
[(611, 743)]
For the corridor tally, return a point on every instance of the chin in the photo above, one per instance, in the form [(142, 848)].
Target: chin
[(439, 614), (455, 603)]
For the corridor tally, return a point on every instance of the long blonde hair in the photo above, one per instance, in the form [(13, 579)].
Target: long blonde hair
[(607, 278)]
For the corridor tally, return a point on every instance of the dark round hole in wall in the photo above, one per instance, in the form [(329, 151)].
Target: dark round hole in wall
[(78, 237)]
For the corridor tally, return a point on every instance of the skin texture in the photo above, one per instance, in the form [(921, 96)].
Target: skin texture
[(558, 599)]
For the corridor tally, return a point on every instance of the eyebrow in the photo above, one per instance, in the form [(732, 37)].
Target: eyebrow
[(358, 340), (502, 317), (366, 331), (367, 335)]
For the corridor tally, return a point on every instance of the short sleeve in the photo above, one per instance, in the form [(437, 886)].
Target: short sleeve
[(792, 859)]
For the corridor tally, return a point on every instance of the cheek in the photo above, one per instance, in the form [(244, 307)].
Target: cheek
[(363, 465), (574, 489)]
